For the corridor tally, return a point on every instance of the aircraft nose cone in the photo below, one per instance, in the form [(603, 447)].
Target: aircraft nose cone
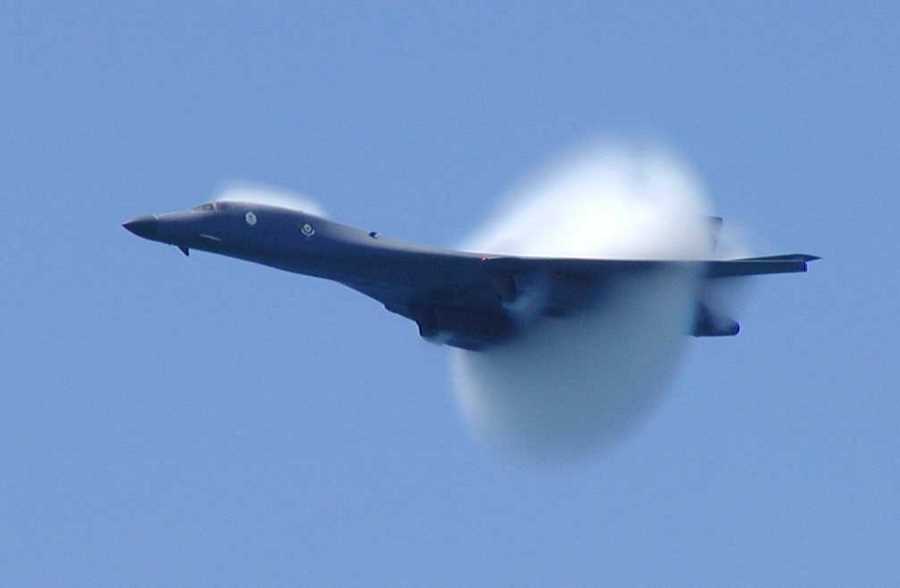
[(143, 226)]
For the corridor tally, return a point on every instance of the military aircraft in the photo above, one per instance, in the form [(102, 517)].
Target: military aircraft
[(461, 299)]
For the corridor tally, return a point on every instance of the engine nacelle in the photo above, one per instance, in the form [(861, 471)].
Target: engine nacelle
[(707, 324)]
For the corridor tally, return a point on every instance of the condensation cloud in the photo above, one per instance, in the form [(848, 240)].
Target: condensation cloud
[(573, 384), (240, 191)]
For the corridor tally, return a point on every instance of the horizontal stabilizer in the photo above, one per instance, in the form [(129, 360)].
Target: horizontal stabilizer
[(785, 257), (754, 266)]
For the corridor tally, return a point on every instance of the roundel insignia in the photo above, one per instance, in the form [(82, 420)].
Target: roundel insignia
[(308, 230), (250, 218)]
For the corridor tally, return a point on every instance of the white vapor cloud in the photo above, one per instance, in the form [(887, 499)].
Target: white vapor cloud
[(242, 191), (572, 384)]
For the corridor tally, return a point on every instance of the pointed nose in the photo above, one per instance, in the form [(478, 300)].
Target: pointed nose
[(144, 226)]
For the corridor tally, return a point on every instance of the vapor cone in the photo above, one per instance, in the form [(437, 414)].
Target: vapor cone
[(573, 384)]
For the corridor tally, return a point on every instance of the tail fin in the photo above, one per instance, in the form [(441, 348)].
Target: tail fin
[(715, 228), (753, 266)]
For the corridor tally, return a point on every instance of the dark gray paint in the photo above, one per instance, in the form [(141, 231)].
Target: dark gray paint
[(456, 298)]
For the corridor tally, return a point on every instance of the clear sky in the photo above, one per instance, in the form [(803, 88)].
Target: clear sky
[(173, 421)]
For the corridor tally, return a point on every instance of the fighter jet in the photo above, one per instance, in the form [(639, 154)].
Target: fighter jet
[(466, 300)]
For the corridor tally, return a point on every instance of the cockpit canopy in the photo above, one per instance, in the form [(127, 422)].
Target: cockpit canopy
[(206, 206)]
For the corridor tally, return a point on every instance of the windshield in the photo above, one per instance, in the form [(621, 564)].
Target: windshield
[(206, 206)]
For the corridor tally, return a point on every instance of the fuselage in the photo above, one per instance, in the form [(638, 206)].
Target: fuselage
[(290, 240), (461, 299), (409, 280)]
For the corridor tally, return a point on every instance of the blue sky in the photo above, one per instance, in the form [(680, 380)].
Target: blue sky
[(172, 421)]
